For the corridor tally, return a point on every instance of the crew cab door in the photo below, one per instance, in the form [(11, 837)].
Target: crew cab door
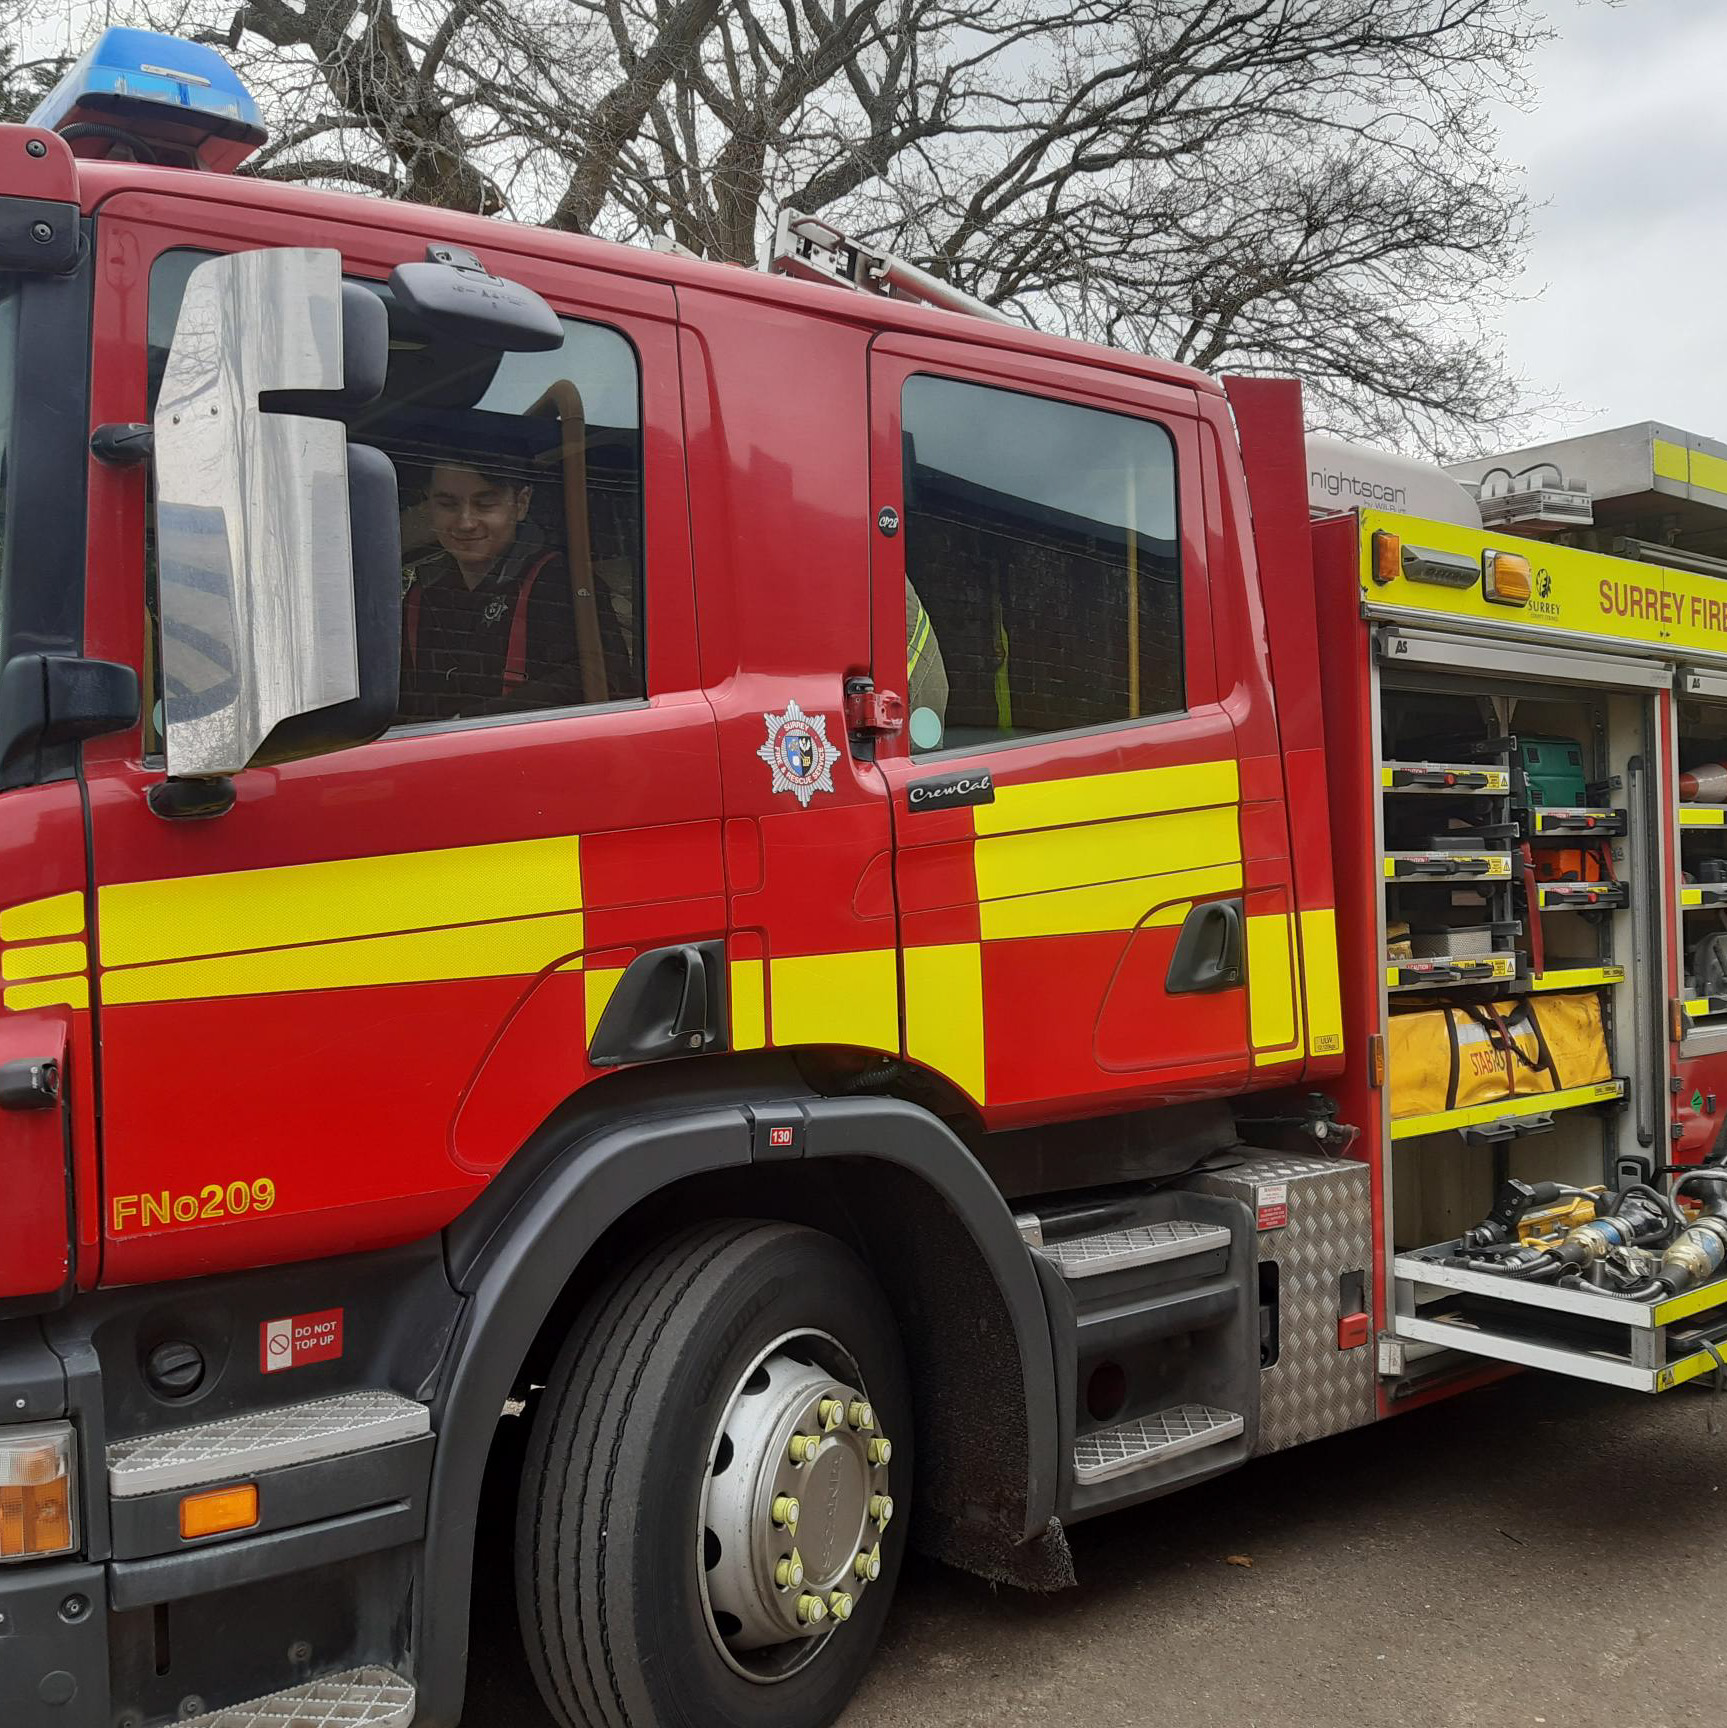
[(1088, 910), (329, 1014)]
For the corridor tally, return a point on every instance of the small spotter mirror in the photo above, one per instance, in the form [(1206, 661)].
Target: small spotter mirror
[(453, 295)]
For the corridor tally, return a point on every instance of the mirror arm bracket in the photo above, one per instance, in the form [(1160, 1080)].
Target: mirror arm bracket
[(122, 443)]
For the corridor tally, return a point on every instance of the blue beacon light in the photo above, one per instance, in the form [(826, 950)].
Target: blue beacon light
[(180, 101)]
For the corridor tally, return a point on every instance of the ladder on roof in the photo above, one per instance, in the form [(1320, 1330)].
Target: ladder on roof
[(815, 251)]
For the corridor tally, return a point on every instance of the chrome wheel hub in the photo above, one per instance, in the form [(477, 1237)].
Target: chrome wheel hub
[(793, 1507)]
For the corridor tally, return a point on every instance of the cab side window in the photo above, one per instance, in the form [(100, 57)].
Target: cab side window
[(521, 490), (1042, 562)]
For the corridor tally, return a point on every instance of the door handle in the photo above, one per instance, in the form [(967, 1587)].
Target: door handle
[(30, 1085), (1208, 951), (669, 1002)]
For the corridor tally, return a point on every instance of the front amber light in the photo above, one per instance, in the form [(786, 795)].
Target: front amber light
[(219, 1510), (36, 1491), (1506, 578), (1387, 557)]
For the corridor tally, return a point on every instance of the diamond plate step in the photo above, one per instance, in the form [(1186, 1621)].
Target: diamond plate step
[(263, 1440), (1151, 1440), (1141, 1245), (358, 1698)]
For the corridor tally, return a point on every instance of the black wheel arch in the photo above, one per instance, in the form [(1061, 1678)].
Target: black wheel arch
[(887, 1173)]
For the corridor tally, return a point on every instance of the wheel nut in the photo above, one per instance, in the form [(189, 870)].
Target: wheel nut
[(831, 1412), (880, 1450), (840, 1605), (804, 1448), (861, 1416), (881, 1508), (811, 1610), (789, 1573), (867, 1566), (785, 1512)]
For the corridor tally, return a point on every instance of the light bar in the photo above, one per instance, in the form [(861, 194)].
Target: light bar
[(37, 1482), (180, 101)]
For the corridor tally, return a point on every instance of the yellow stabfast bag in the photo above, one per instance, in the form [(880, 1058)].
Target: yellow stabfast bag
[(1575, 1038), (1454, 1058)]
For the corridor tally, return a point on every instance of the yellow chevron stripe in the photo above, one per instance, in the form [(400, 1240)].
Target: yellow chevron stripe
[(836, 999), (45, 960), (749, 1005), (1053, 858), (521, 947), (944, 1012), (1107, 797), (49, 993), (1105, 905), (1319, 980), (597, 988), (58, 915), (180, 918)]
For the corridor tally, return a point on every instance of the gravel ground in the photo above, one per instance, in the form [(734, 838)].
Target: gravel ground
[(1539, 1552)]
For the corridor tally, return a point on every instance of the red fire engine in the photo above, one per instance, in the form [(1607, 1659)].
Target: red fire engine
[(807, 921)]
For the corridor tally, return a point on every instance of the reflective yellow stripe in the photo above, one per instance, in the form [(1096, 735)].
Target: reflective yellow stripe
[(43, 961), (1690, 896), (1708, 471), (1533, 1104), (1577, 977), (1105, 905), (836, 999), (597, 988), (919, 640), (1671, 461), (1692, 1302), (1271, 1011), (181, 917), (58, 915), (944, 1012), (1319, 979), (1693, 816), (1688, 1368), (51, 993), (749, 1006), (1105, 797), (521, 947)]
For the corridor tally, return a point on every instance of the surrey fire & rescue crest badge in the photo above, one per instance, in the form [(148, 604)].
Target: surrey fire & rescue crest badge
[(798, 753)]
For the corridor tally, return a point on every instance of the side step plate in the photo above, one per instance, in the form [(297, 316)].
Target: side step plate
[(1141, 1245), (1151, 1440), (358, 1698), (263, 1440)]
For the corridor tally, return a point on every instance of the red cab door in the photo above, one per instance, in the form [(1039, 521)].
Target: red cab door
[(1081, 917), (331, 1013)]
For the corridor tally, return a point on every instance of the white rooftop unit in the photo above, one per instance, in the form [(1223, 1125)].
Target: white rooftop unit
[(1344, 476)]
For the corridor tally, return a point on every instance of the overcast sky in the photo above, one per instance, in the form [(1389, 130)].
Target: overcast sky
[(1627, 155)]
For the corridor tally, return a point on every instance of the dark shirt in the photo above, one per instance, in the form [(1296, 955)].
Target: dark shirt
[(456, 640)]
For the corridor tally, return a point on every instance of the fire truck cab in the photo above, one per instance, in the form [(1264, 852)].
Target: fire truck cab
[(769, 919)]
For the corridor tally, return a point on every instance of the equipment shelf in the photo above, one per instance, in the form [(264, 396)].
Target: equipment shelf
[(1589, 1334), (1704, 1007), (1447, 971), (1703, 896), (1515, 1116), (1448, 779), (1443, 866)]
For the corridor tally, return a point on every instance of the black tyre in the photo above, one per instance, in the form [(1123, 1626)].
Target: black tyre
[(705, 1535)]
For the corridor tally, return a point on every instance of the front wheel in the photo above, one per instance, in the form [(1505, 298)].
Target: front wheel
[(706, 1531)]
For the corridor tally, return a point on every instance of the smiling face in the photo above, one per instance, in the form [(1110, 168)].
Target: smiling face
[(475, 517)]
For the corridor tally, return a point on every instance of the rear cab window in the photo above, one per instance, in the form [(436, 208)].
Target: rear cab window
[(1042, 562)]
